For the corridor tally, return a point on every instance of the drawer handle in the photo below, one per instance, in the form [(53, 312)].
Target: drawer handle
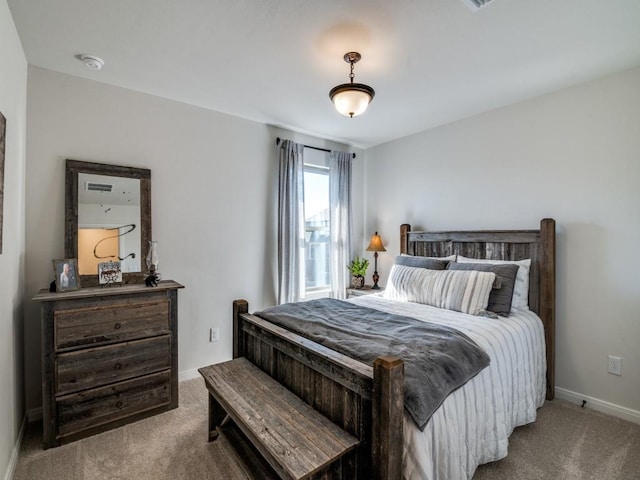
[(119, 404), (117, 326), (118, 366)]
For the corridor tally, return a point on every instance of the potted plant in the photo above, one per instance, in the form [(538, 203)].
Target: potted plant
[(358, 268)]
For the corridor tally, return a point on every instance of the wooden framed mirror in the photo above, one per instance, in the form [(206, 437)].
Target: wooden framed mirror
[(107, 217)]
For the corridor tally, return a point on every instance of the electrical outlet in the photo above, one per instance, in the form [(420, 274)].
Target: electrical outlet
[(214, 334), (615, 365)]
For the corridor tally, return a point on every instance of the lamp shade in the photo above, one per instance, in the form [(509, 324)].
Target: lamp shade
[(375, 245), (351, 99)]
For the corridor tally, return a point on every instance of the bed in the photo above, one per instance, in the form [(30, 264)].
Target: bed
[(473, 424)]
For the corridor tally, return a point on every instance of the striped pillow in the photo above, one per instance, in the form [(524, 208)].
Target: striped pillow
[(502, 293), (465, 291)]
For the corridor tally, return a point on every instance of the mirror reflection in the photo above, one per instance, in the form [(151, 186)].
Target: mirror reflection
[(108, 222), (107, 218)]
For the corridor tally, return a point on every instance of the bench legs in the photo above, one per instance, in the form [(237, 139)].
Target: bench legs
[(217, 417)]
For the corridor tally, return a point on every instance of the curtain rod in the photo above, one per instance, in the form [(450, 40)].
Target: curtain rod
[(314, 148)]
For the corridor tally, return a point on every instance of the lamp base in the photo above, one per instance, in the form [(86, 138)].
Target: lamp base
[(376, 277)]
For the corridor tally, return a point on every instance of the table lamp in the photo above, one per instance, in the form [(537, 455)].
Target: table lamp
[(375, 245)]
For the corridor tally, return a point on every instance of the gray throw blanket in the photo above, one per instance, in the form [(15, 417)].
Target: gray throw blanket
[(438, 359)]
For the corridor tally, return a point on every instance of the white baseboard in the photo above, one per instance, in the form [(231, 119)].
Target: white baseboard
[(188, 375), (13, 460), (599, 405)]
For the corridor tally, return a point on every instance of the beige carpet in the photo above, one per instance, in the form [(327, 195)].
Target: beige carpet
[(566, 442), (172, 445)]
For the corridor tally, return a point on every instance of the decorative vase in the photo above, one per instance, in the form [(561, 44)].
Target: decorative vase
[(152, 257), (357, 281)]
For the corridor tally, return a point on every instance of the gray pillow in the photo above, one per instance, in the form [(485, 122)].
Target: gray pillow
[(500, 298), (421, 262)]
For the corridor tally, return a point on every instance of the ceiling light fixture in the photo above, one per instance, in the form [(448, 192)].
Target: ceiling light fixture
[(94, 63), (352, 99)]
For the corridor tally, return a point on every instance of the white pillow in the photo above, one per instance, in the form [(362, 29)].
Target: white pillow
[(521, 287), (464, 291)]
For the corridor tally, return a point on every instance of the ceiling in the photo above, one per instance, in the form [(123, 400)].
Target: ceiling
[(124, 191), (431, 62)]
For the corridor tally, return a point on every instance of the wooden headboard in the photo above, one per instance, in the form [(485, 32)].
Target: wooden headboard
[(538, 245)]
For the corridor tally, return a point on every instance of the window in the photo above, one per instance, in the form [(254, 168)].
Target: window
[(317, 225), (313, 225)]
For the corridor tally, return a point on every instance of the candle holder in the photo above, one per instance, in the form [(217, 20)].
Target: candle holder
[(152, 278)]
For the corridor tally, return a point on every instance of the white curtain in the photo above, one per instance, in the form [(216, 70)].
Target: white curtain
[(340, 220), (291, 273)]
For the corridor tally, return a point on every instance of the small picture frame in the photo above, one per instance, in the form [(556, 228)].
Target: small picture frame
[(110, 273), (66, 275)]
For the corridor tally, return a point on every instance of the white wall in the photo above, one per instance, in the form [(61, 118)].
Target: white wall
[(214, 179), (573, 155), (13, 105)]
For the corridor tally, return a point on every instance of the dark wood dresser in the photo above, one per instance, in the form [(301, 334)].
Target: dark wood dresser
[(109, 357)]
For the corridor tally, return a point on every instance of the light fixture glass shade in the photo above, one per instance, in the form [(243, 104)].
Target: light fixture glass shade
[(375, 245), (350, 100)]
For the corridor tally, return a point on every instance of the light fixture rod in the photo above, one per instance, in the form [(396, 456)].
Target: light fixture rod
[(352, 58)]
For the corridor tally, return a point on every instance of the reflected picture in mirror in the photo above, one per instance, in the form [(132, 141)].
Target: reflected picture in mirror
[(107, 219)]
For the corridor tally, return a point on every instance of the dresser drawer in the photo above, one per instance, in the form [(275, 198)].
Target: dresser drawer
[(110, 323), (98, 366), (99, 406)]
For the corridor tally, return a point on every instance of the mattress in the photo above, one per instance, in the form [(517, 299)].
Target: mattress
[(473, 425)]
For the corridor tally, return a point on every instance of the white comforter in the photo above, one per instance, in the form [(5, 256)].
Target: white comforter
[(473, 425)]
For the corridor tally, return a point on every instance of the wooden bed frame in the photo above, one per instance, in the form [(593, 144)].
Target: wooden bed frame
[(368, 401)]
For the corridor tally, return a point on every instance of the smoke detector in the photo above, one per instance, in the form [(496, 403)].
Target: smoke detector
[(94, 63), (475, 5)]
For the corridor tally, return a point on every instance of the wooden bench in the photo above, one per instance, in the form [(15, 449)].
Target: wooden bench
[(296, 440)]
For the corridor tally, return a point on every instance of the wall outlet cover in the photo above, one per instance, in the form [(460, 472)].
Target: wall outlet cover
[(214, 334), (615, 365)]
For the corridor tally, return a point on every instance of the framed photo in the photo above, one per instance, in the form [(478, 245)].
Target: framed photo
[(110, 273), (66, 274)]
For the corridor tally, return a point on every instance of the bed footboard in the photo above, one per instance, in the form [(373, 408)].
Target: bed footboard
[(365, 401)]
